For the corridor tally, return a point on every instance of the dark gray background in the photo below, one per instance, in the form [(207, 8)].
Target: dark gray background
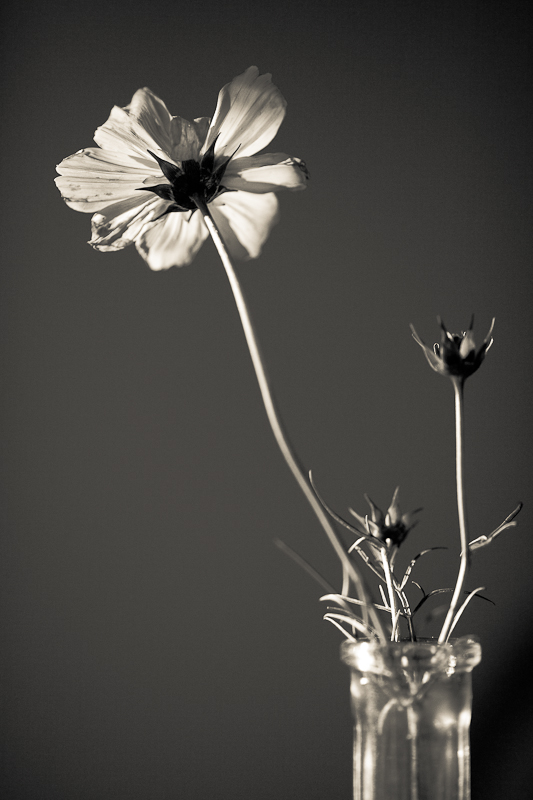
[(154, 644)]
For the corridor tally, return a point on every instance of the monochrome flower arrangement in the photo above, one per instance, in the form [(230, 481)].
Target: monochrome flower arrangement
[(165, 184)]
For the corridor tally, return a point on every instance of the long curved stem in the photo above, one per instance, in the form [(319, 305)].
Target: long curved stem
[(275, 419), (461, 509)]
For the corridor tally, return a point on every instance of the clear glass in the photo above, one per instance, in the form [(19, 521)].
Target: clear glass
[(412, 704)]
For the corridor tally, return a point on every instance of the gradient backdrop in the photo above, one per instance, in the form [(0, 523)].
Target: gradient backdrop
[(154, 644)]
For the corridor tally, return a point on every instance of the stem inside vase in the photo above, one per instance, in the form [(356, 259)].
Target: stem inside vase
[(411, 703)]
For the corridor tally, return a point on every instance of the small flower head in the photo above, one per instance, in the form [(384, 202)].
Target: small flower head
[(152, 171), (456, 356), (390, 528)]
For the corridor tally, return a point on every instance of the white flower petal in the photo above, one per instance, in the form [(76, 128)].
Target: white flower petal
[(95, 158), (124, 133), (245, 221), (92, 179), (110, 179), (172, 241), (121, 223), (269, 172), (188, 137), (249, 112), (153, 116)]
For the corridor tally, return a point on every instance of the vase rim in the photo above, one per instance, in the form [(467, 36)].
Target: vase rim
[(458, 655)]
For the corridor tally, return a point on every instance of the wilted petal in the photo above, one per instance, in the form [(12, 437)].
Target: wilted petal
[(266, 173), (121, 223), (245, 221), (249, 112), (173, 241), (93, 179)]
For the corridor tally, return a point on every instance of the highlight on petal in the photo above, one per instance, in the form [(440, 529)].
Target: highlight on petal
[(172, 241), (121, 223), (266, 173), (153, 116), (124, 133), (249, 111), (93, 179), (245, 221)]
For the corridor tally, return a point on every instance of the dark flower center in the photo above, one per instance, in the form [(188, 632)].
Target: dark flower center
[(193, 180), (396, 533)]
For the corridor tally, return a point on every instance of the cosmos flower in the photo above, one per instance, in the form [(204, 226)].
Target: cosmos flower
[(144, 181), (456, 356)]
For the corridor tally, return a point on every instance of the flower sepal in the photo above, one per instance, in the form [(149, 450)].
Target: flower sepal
[(390, 528), (456, 356)]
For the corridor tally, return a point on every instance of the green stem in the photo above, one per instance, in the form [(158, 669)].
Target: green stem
[(275, 419), (461, 509)]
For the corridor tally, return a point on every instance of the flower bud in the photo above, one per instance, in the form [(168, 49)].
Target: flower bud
[(390, 528), (455, 356)]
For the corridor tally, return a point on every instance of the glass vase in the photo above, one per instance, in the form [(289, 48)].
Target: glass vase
[(411, 703)]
